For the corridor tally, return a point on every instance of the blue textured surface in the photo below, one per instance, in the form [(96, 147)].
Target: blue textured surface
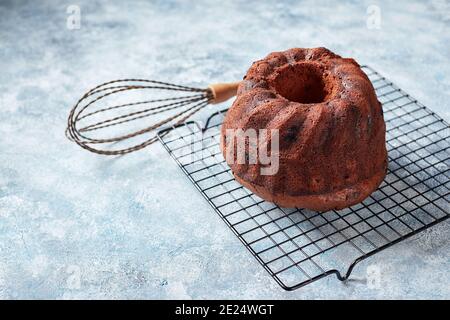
[(78, 225)]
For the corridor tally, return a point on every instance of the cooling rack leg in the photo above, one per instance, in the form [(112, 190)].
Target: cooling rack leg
[(348, 273), (339, 276)]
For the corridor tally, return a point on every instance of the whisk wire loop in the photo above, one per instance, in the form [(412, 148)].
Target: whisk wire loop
[(77, 130), (86, 118)]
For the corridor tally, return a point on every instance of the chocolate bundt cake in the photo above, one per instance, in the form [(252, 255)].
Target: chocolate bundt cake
[(331, 132)]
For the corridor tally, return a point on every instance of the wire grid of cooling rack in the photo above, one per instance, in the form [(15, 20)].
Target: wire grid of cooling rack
[(298, 246)]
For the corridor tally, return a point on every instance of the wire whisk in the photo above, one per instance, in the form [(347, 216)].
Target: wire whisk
[(129, 111)]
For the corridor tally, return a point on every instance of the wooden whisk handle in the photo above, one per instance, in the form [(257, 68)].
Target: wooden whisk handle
[(223, 91)]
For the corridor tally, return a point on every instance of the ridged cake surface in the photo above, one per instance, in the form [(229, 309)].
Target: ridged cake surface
[(332, 148)]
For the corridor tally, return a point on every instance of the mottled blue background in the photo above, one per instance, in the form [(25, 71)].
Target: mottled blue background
[(78, 225)]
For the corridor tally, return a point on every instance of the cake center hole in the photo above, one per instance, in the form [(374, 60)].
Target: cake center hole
[(302, 82)]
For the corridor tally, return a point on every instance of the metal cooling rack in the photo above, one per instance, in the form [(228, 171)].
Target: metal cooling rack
[(298, 246)]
